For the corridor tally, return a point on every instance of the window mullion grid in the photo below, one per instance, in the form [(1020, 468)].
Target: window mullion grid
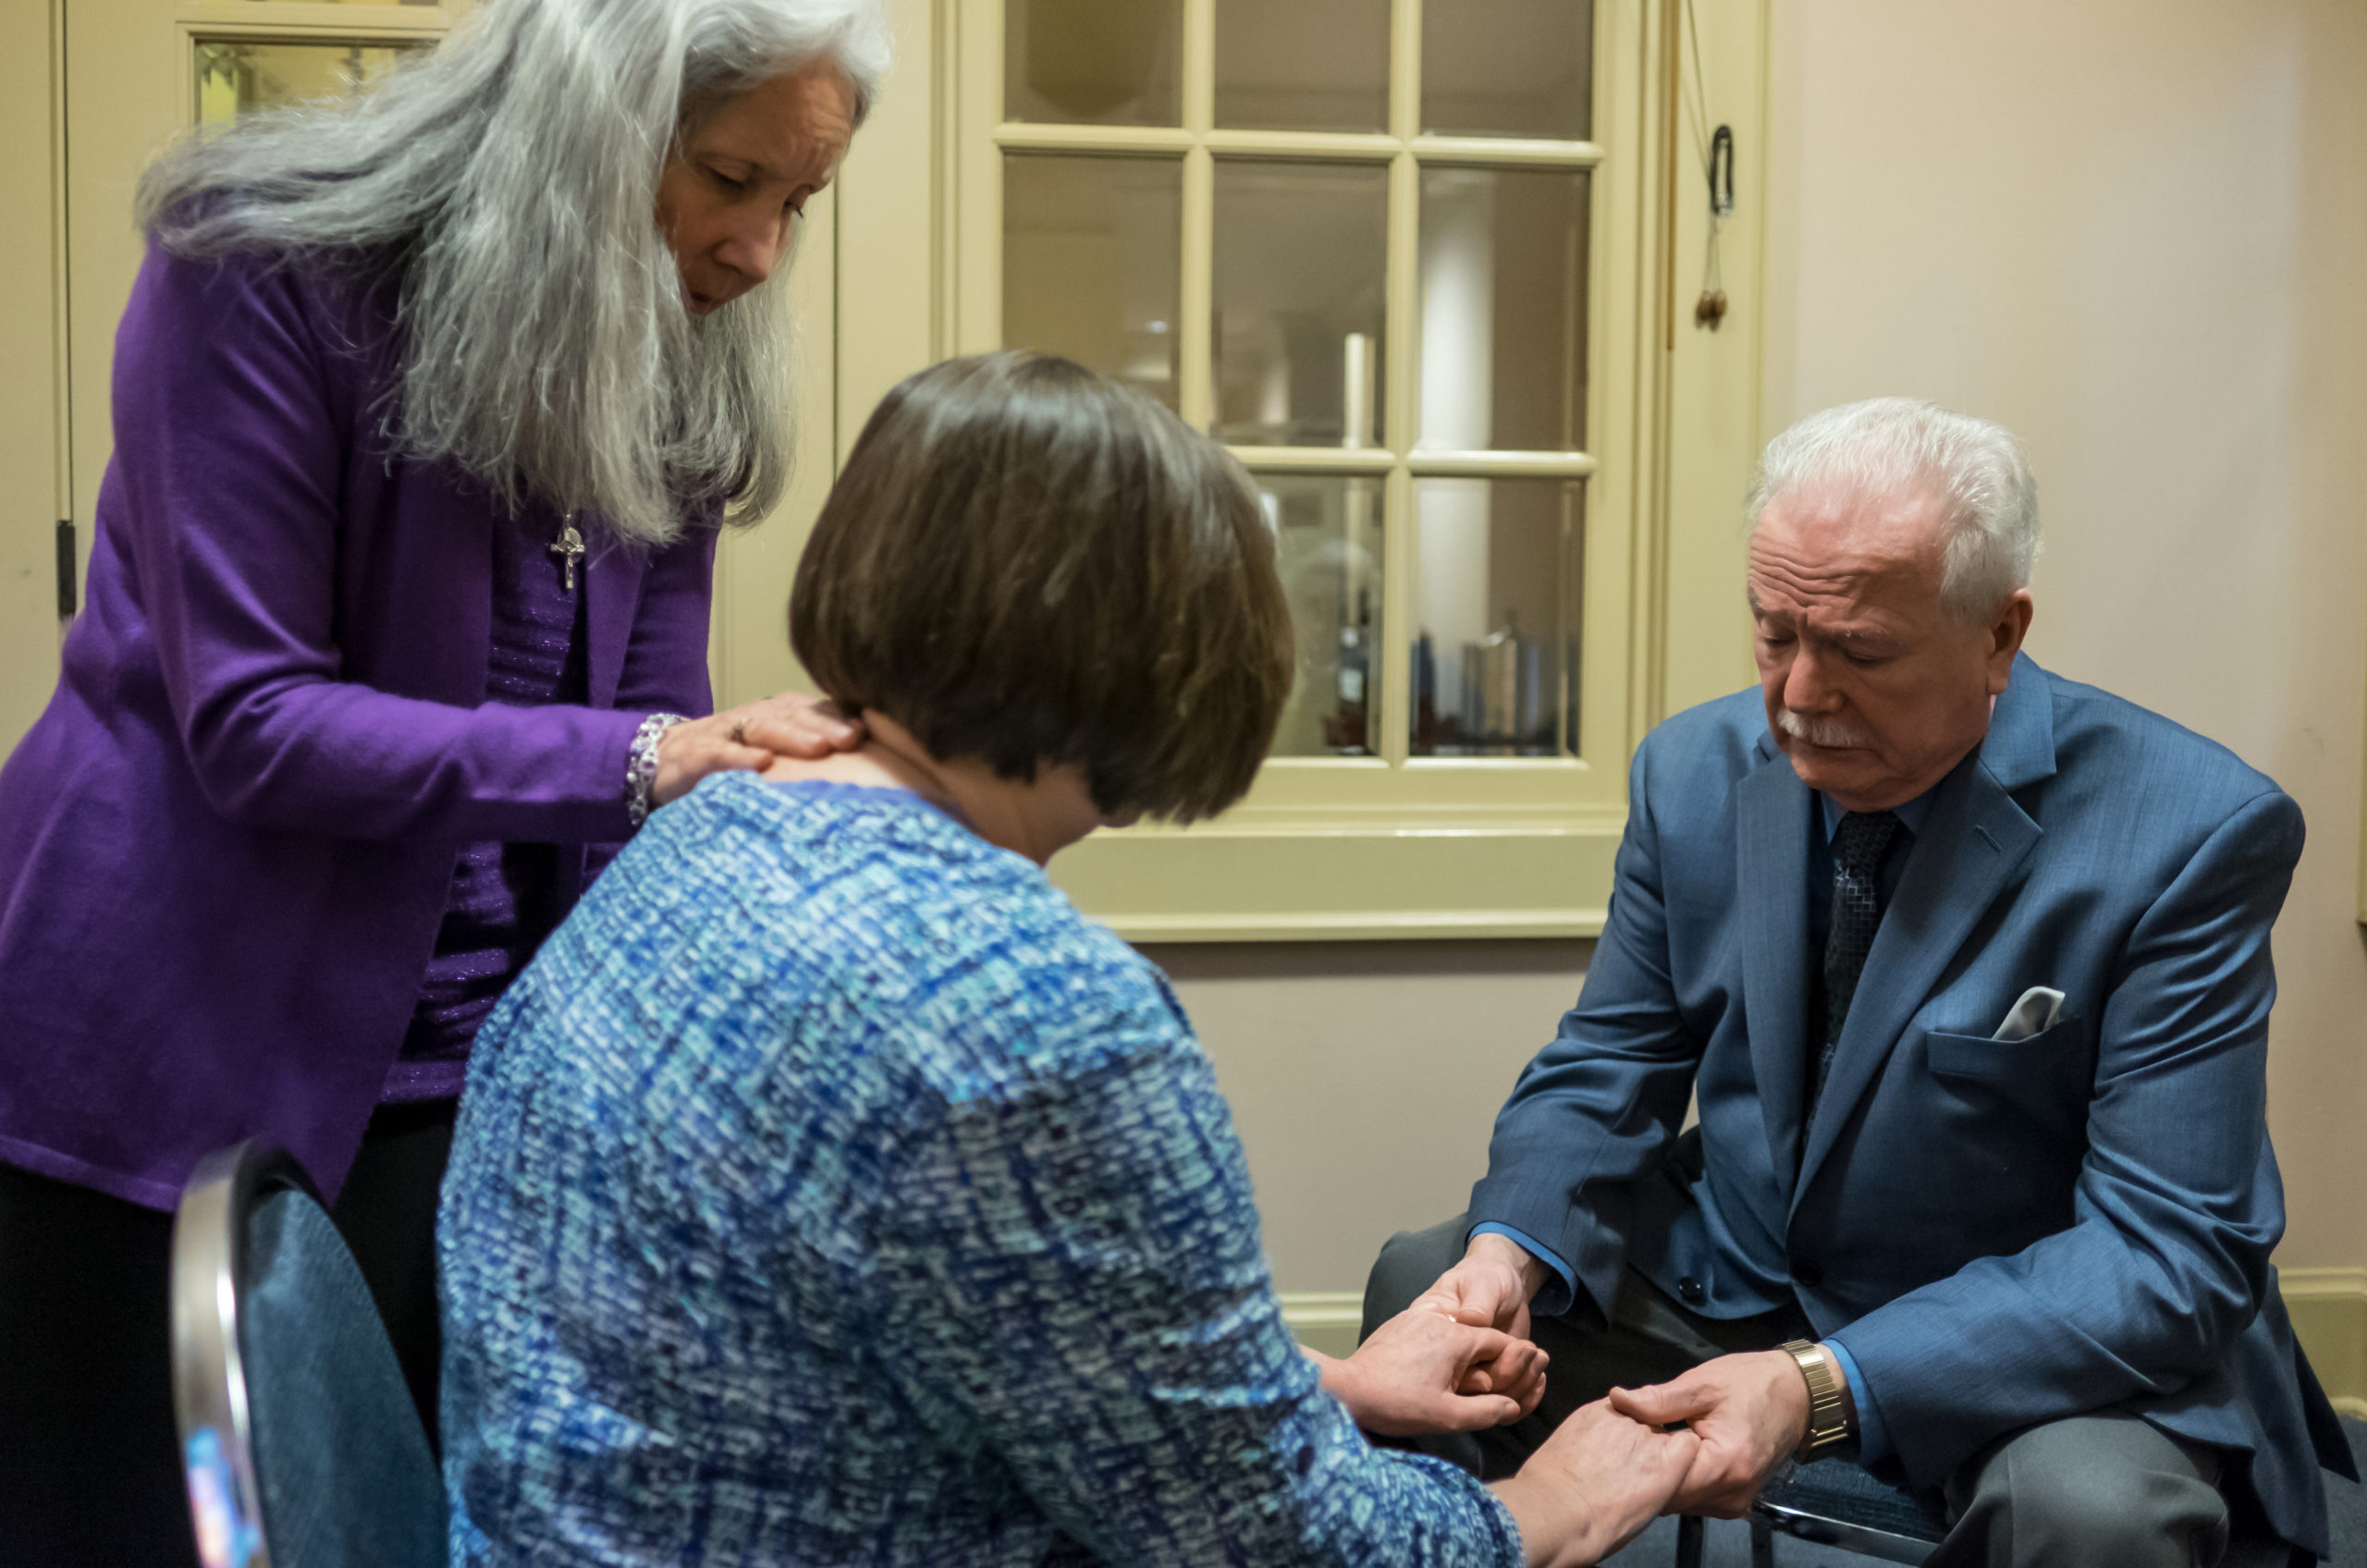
[(1502, 465), (1399, 406), (1508, 153), (1402, 407), (1194, 394), (1199, 67), (1406, 69), (1395, 665), (1196, 350), (1036, 137)]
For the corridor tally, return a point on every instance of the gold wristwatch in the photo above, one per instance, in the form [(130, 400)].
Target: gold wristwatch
[(1830, 1428)]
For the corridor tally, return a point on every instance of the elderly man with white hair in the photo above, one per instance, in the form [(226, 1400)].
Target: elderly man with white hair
[(1968, 967), (428, 408)]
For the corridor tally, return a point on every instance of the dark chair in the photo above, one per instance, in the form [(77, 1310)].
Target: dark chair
[(1833, 1503), (301, 1443)]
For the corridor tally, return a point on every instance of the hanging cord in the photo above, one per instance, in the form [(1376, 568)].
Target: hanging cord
[(1716, 150), (1700, 88)]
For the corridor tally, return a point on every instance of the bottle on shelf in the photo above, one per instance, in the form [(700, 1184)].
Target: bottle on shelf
[(1348, 729)]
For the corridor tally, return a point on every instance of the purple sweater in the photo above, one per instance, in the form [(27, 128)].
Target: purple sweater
[(227, 845), (502, 902)]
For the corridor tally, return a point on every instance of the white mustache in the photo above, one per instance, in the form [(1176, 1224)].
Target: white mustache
[(1817, 731)]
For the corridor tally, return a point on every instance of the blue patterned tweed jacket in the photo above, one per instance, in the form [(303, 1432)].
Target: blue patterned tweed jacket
[(828, 1191)]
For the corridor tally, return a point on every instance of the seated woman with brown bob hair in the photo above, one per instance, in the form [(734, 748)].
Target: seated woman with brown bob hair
[(830, 1190)]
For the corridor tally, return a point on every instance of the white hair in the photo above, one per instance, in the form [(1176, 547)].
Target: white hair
[(1887, 445), (509, 182)]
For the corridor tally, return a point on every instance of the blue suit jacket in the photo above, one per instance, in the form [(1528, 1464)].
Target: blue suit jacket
[(2000, 1234)]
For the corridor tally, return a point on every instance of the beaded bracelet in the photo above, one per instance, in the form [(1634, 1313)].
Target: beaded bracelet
[(641, 762)]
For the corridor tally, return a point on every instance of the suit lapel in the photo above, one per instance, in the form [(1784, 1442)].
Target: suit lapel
[(1972, 844), (1771, 847), (612, 588)]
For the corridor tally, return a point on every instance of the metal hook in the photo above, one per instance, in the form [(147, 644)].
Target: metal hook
[(1721, 155)]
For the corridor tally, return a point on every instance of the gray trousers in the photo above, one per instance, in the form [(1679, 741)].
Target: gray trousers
[(2103, 1491)]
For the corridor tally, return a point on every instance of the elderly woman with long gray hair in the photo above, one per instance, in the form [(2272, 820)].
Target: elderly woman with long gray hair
[(428, 408)]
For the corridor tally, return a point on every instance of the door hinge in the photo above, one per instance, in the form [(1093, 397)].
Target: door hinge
[(65, 598)]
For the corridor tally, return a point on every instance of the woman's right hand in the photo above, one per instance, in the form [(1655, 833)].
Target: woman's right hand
[(1593, 1486), (1424, 1372), (747, 739)]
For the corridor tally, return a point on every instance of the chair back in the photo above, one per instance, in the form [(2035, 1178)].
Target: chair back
[(300, 1443)]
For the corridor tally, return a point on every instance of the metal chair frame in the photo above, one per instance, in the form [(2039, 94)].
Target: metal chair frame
[(209, 1379), (1769, 1520)]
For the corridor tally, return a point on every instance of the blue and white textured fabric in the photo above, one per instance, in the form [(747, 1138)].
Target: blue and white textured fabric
[(828, 1191)]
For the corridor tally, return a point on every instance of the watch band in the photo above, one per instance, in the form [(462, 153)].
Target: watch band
[(1829, 1423)]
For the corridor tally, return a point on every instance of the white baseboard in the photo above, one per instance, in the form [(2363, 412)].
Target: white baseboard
[(2328, 1307), (1325, 1320)]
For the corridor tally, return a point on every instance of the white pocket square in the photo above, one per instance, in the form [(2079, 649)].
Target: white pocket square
[(2034, 1014)]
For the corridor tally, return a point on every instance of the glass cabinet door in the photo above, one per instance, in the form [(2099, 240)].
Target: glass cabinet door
[(1520, 68), (1369, 277), (1301, 65), (235, 76), (1300, 304), (1498, 579), (1090, 62), (1090, 263), (1327, 532)]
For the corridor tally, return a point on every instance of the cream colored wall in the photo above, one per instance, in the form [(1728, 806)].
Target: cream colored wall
[(32, 461), (1363, 1077), (2133, 230)]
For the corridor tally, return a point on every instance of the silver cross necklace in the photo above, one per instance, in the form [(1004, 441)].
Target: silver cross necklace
[(569, 549)]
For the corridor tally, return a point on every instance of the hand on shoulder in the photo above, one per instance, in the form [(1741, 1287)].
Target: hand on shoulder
[(750, 739)]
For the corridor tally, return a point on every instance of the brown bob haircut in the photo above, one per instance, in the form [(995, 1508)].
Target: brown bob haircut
[(1027, 563)]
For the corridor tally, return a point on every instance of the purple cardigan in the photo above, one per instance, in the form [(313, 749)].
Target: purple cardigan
[(225, 845)]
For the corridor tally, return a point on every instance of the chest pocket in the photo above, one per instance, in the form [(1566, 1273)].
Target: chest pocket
[(1978, 1056), (2044, 1080)]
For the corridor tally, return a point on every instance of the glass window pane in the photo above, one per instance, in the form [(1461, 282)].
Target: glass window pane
[(1090, 254), (1498, 566), (1504, 285), (1328, 531), (1509, 67), (1300, 265), (236, 77), (1310, 65), (1093, 62)]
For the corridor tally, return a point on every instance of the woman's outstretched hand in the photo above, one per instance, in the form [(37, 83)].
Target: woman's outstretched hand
[(747, 739), (1424, 1372), (1594, 1486)]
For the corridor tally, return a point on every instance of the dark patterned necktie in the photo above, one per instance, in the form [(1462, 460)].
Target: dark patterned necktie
[(1858, 846)]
